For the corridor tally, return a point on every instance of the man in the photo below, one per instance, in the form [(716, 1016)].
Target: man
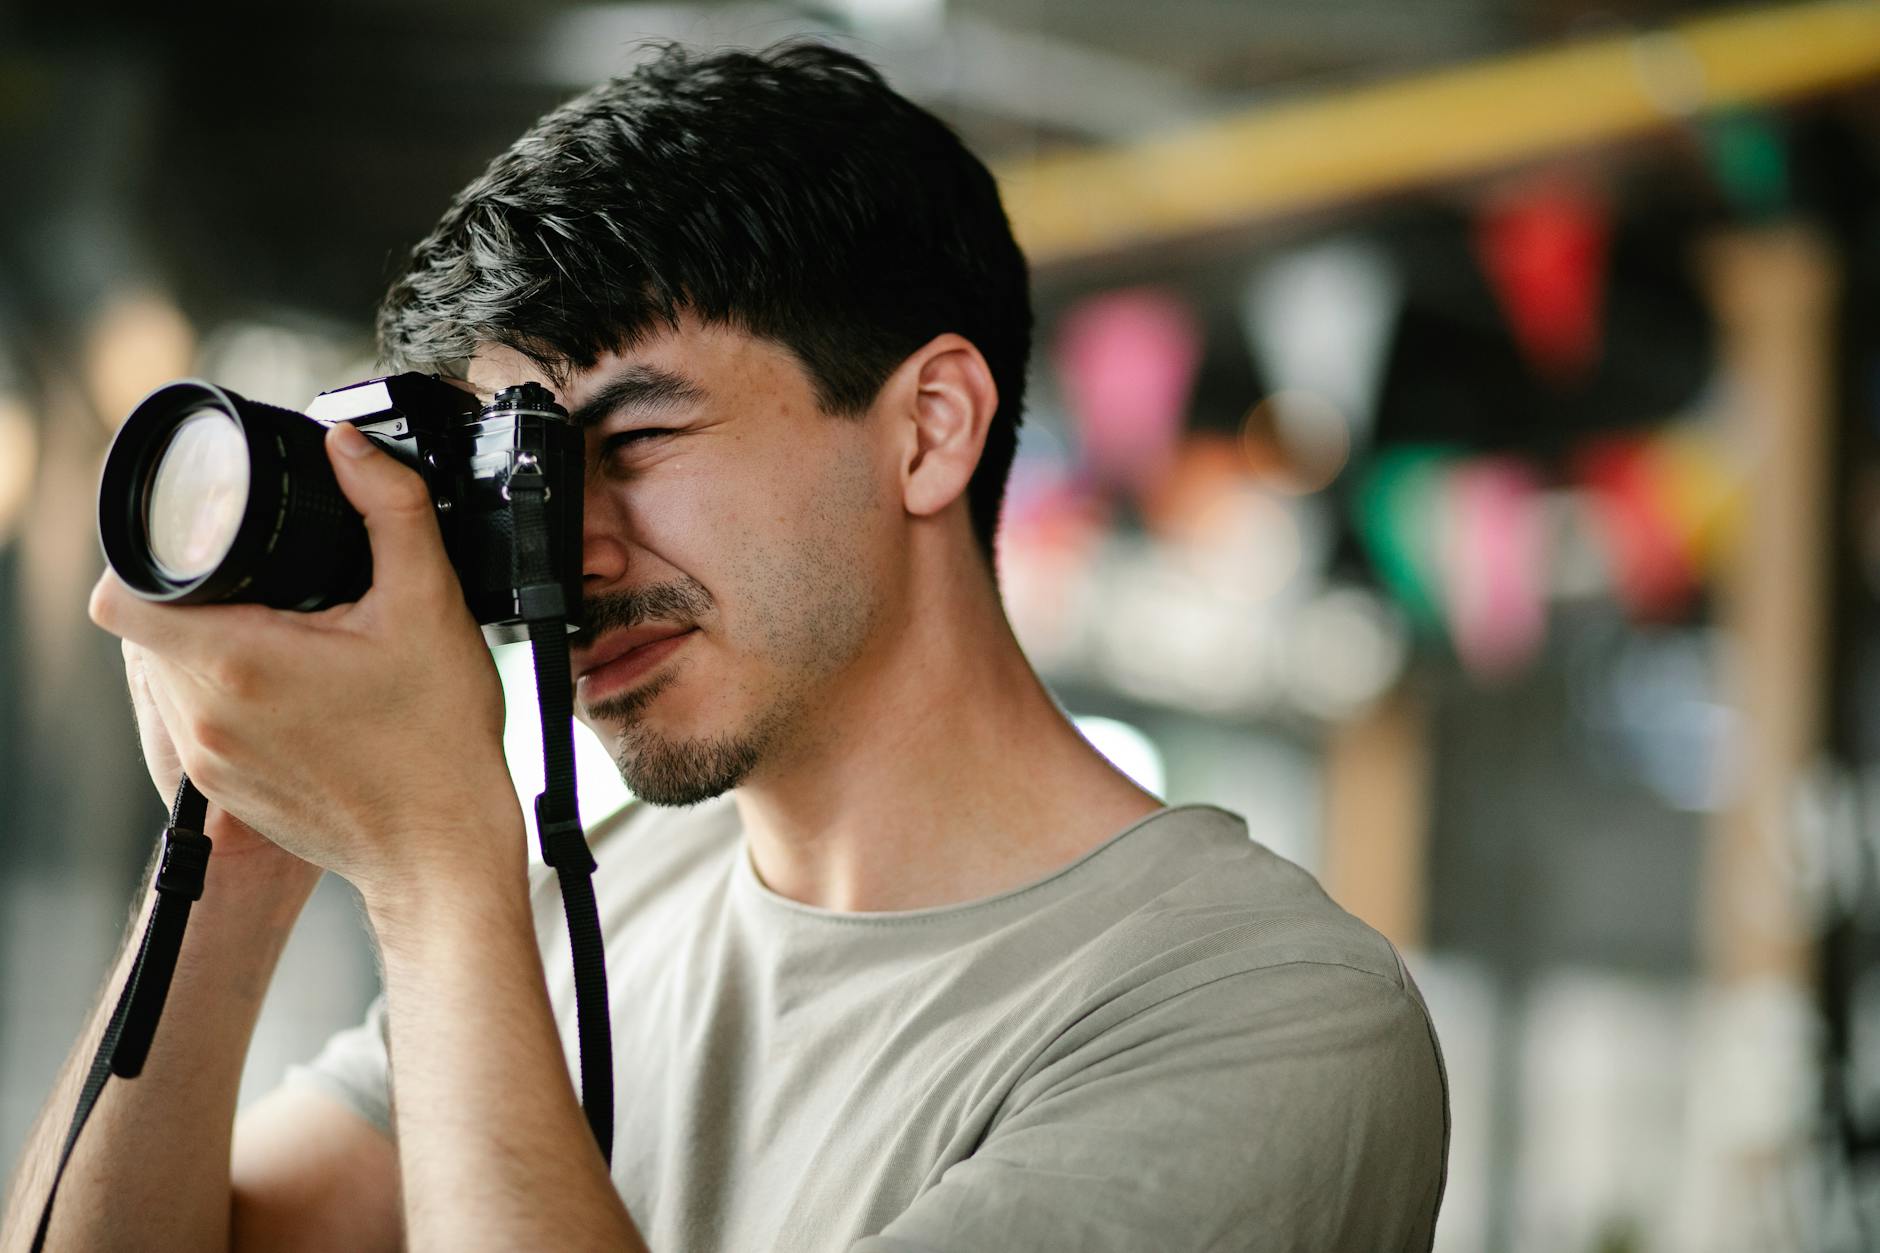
[(921, 971)]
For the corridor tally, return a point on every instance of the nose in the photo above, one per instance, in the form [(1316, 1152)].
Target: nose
[(603, 542)]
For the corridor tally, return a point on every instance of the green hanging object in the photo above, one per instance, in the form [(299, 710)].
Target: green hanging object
[(1750, 162), (1399, 516)]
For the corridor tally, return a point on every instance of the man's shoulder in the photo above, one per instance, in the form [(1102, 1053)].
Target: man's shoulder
[(1206, 894), (1240, 953)]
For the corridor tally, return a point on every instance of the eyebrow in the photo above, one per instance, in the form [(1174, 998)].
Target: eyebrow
[(636, 387)]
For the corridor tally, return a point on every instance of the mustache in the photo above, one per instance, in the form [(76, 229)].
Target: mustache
[(681, 603)]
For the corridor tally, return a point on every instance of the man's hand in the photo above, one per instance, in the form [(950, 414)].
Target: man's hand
[(234, 839), (366, 738)]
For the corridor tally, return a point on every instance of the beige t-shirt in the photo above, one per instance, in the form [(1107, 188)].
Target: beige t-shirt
[(1176, 1042)]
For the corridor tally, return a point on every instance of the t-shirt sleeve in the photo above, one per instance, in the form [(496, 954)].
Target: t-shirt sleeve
[(1294, 1107), (353, 1068)]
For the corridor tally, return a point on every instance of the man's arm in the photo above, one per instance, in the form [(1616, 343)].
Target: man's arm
[(152, 1167), (493, 1148), (311, 1174)]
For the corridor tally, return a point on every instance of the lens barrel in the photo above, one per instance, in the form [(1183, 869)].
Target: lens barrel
[(298, 545)]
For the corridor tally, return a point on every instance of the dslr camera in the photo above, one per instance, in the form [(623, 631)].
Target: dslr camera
[(208, 496)]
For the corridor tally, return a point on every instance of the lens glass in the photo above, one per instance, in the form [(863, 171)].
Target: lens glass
[(198, 493)]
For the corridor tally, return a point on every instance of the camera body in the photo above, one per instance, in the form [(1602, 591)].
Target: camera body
[(466, 455), (297, 543)]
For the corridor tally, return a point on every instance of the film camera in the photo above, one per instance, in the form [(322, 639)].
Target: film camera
[(208, 496)]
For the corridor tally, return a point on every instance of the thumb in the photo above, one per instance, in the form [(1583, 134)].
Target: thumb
[(401, 522)]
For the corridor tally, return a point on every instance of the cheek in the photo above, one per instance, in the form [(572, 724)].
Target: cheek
[(809, 570), (672, 521), (790, 540)]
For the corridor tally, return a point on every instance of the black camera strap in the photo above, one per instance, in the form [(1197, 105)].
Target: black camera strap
[(557, 818), (133, 1024)]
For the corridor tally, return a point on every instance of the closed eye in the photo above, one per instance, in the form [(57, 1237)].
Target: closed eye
[(628, 439)]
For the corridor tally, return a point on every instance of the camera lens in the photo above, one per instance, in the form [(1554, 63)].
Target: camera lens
[(209, 496), (198, 493)]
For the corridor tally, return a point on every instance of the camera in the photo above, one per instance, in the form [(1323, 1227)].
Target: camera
[(209, 497)]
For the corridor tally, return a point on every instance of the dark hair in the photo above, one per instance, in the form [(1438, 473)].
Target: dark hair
[(790, 193)]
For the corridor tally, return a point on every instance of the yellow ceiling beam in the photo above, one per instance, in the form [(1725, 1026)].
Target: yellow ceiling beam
[(1360, 142)]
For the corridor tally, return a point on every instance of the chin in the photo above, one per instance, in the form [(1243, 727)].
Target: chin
[(683, 770)]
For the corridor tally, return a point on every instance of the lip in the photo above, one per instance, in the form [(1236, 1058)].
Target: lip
[(620, 657)]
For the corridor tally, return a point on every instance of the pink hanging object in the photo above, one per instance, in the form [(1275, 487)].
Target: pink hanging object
[(1493, 577), (1126, 362)]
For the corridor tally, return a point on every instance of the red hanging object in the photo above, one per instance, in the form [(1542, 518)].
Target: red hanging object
[(1655, 572), (1544, 250)]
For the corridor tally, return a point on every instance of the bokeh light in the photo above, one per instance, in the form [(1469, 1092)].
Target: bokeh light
[(138, 341)]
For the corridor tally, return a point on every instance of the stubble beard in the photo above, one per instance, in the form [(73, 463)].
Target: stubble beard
[(662, 770), (659, 768)]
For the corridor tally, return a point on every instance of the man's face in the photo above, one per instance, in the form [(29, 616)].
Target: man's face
[(734, 545)]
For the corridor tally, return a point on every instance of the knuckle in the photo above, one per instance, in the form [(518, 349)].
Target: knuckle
[(210, 739), (202, 767), (409, 496), (235, 675)]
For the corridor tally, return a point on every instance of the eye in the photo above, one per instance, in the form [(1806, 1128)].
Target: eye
[(629, 439)]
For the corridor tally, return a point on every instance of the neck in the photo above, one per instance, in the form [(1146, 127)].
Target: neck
[(939, 771)]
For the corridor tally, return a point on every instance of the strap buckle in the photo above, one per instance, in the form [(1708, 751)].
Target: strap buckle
[(564, 846), (541, 602), (185, 862)]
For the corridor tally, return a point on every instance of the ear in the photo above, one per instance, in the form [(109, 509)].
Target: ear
[(943, 397)]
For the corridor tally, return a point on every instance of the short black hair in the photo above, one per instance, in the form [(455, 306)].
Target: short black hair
[(790, 193)]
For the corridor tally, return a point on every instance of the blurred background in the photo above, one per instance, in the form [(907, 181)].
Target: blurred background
[(1456, 446)]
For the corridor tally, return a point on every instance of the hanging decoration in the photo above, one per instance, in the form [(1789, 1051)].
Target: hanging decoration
[(1544, 249), (1494, 564), (1668, 506), (1749, 161), (1654, 568), (1319, 322), (1399, 506), (1126, 362)]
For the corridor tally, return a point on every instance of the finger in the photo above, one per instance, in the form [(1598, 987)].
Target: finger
[(134, 677), (163, 681), (180, 697), (159, 683), (150, 727), (194, 635), (401, 523), (154, 685)]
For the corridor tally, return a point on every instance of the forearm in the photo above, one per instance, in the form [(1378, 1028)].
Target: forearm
[(152, 1167), (493, 1148)]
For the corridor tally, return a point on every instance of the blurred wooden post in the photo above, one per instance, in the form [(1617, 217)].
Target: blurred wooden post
[(1773, 295), (1377, 812)]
